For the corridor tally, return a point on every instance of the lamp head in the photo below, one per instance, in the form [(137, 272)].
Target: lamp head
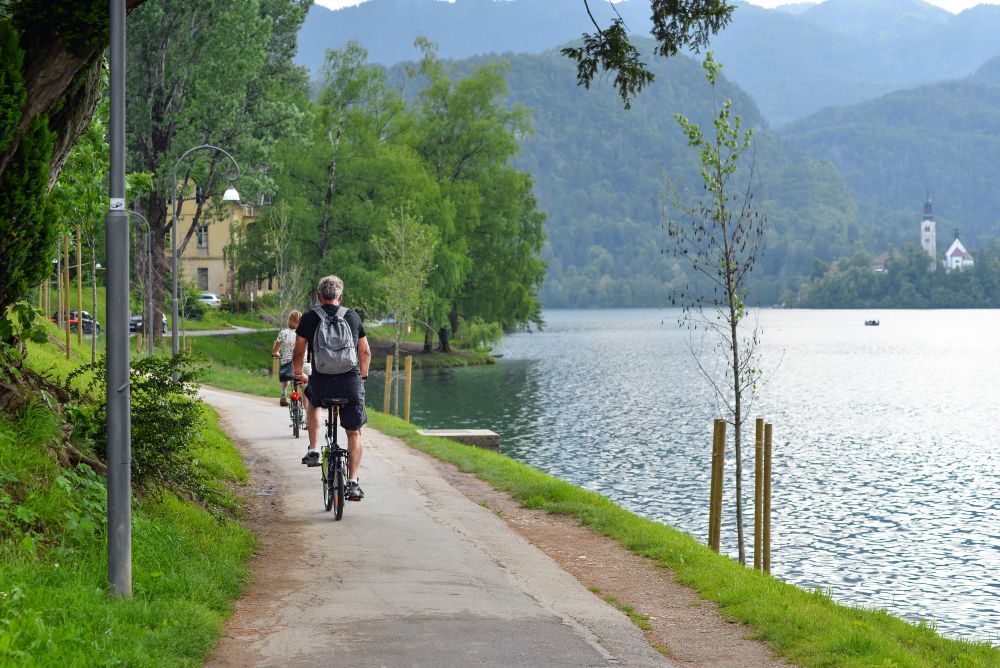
[(231, 195)]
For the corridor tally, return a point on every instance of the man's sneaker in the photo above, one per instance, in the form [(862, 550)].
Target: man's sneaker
[(354, 492), (284, 401), (311, 458)]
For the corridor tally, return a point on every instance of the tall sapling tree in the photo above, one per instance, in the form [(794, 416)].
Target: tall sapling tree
[(407, 250), (721, 235)]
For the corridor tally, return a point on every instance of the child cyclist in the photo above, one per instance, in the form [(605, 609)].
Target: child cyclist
[(283, 347)]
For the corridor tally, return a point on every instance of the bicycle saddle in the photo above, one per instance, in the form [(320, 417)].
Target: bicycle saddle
[(328, 402)]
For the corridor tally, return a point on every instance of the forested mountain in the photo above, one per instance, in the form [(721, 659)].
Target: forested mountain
[(943, 137), (598, 172), (793, 61)]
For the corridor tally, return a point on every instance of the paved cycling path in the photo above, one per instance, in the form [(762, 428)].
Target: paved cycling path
[(414, 575)]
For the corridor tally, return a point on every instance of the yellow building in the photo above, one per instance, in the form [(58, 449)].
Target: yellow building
[(203, 261)]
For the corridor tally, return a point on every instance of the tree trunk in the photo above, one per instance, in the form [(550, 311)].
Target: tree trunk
[(737, 414), (331, 189), (443, 338), (62, 79), (93, 303), (453, 319), (428, 340), (159, 226)]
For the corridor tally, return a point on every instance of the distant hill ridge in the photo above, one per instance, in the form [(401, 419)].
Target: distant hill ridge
[(793, 60), (944, 137)]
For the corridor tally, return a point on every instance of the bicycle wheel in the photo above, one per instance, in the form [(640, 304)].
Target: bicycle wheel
[(296, 418), (328, 484), (340, 483)]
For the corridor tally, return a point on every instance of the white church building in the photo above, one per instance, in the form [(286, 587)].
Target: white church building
[(957, 257)]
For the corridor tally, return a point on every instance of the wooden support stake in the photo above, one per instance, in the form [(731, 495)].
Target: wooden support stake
[(767, 498), (275, 367), (408, 369), (718, 467), (386, 403), (758, 492), (714, 483)]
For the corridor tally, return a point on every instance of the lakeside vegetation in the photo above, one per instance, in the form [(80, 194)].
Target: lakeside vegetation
[(906, 282), (188, 558)]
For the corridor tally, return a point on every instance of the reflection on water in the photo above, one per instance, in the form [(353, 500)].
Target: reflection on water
[(886, 452)]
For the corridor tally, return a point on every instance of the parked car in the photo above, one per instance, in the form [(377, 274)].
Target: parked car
[(210, 299), (74, 320), (135, 323)]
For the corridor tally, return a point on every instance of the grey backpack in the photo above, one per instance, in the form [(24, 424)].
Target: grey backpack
[(334, 350)]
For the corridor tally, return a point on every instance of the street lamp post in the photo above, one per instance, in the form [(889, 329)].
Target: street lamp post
[(147, 316), (119, 398), (230, 196)]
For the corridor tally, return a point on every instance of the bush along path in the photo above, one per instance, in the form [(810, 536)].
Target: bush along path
[(189, 554)]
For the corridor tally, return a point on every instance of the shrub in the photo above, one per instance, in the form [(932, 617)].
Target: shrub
[(167, 423)]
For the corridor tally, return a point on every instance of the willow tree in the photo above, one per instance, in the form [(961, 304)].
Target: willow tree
[(467, 136), (720, 235)]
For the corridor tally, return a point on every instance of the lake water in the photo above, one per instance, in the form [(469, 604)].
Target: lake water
[(886, 471)]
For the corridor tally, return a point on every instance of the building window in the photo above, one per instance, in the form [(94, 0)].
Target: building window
[(927, 228), (203, 236), (203, 278)]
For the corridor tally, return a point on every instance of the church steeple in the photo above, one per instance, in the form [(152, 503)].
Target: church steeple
[(928, 231)]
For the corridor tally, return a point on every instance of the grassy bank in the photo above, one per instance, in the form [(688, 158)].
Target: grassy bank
[(55, 608), (242, 362), (807, 627)]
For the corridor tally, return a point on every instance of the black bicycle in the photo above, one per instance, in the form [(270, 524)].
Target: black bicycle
[(296, 413), (333, 464)]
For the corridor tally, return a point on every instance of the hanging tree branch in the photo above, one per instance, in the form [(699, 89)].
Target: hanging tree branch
[(677, 24)]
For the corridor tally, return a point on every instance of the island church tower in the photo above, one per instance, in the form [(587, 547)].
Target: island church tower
[(928, 230)]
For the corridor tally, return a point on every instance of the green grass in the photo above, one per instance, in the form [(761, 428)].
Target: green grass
[(55, 609), (808, 628)]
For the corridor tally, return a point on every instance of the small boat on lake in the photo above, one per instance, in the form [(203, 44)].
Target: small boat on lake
[(871, 323)]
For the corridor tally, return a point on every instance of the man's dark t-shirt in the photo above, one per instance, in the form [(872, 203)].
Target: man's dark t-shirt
[(310, 321), (343, 385)]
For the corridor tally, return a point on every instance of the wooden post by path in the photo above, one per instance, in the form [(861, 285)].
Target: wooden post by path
[(275, 367), (758, 491), (711, 490), (387, 401), (767, 498), (715, 494), (408, 369)]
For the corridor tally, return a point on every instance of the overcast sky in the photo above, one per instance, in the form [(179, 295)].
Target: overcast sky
[(951, 5)]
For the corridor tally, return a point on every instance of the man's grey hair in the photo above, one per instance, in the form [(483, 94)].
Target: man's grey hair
[(330, 287)]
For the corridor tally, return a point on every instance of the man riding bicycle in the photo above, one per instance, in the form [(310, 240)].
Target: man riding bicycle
[(320, 330)]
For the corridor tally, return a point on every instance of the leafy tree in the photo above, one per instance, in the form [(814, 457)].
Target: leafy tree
[(720, 236), (216, 72), (466, 137)]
